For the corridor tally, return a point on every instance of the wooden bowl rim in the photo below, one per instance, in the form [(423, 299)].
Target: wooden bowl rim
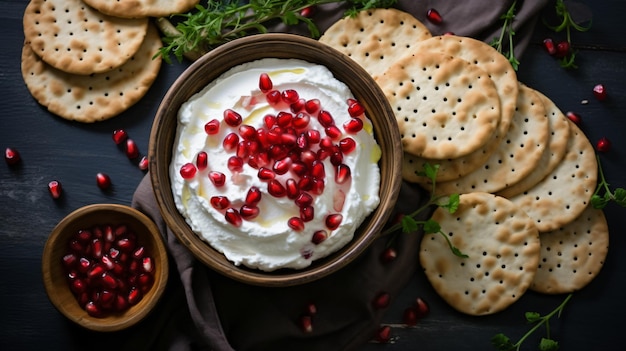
[(113, 322), (286, 45)]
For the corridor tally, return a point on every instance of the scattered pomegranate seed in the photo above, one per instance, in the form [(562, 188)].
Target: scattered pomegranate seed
[(188, 170), (388, 255), (603, 145), (292, 188), (381, 300), (308, 11), (290, 96), (266, 174), (313, 105), (143, 163), (12, 156), (333, 221), (103, 181), (296, 223), (265, 83), (235, 164), (319, 236), (230, 142), (325, 118), (232, 118), (249, 212), (548, 44), (282, 166), (562, 49), (119, 136), (409, 317), (276, 189), (212, 127), (574, 117), (347, 145), (353, 126), (253, 196), (306, 324), (55, 189), (273, 97), (303, 200), (383, 334), (355, 109), (217, 178), (233, 217), (421, 308), (307, 213), (220, 202), (297, 106), (132, 151), (434, 16), (343, 174), (599, 92)]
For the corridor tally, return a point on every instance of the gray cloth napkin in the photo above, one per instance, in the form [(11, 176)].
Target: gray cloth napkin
[(207, 311)]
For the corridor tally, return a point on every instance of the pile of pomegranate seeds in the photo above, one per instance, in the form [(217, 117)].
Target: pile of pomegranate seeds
[(288, 154), (108, 271)]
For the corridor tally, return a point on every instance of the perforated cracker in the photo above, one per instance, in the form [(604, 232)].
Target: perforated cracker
[(518, 155), (445, 107), (73, 37), (573, 255), (503, 246), (375, 38), (142, 8), (564, 193), (98, 96)]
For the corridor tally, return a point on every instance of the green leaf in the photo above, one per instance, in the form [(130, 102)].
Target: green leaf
[(409, 225), (599, 202), (619, 195), (532, 317), (548, 345), (502, 342), (452, 204), (431, 226)]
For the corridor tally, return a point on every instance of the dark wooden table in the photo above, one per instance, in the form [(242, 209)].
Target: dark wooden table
[(73, 153)]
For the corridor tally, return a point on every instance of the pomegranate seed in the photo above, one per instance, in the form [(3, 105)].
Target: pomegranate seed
[(299, 168), (212, 127), (147, 265), (333, 221), (318, 186), (144, 281), (355, 109), (12, 156), (243, 149), (388, 255), (253, 196), (55, 189), (132, 151), (249, 212), (247, 132), (336, 158), (92, 309), (134, 296), (95, 271), (288, 139), (276, 189), (301, 120), (144, 163), (308, 11), (230, 142), (108, 280), (233, 217), (310, 309), (326, 143), (273, 97), (119, 136), (277, 152), (305, 183), (306, 324), (383, 335), (219, 202), (562, 49), (108, 262), (291, 186), (188, 170), (574, 117), (325, 119), (313, 136), (96, 248), (83, 264), (121, 304), (297, 106), (139, 252), (347, 145), (548, 44), (312, 106), (217, 178), (307, 213), (319, 236), (235, 164), (603, 144), (266, 174), (381, 300), (409, 317), (282, 166), (103, 181), (308, 157), (421, 308), (333, 132), (343, 174), (434, 16), (303, 200), (599, 92), (353, 126), (201, 160), (296, 223), (290, 96), (265, 83), (317, 170), (78, 286), (232, 118), (69, 260)]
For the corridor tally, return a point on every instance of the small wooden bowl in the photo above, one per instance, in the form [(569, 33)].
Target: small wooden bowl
[(286, 46), (55, 276)]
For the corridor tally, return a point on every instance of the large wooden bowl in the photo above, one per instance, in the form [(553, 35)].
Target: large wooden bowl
[(55, 275), (240, 51)]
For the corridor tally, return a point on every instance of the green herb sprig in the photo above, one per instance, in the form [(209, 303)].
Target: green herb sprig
[(409, 224), (221, 21), (503, 343), (507, 33), (567, 23), (603, 194)]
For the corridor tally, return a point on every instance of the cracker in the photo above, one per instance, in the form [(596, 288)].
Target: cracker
[(72, 37), (519, 153), (503, 246), (98, 96), (142, 8), (573, 255), (375, 38), (445, 107), (564, 193)]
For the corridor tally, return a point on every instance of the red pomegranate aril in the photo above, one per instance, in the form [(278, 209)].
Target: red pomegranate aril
[(307, 213), (297, 106), (107, 298), (548, 44), (574, 117), (145, 281), (235, 164), (188, 170), (55, 189), (288, 139), (217, 178), (292, 188), (306, 324), (305, 183), (562, 49), (276, 189), (333, 221), (301, 120), (308, 157), (273, 97), (232, 118), (308, 11), (134, 296), (266, 174), (333, 132), (299, 168), (325, 118), (12, 156), (319, 236), (343, 174), (103, 181), (290, 96), (303, 200), (336, 158), (212, 127), (93, 309), (599, 91), (434, 16), (355, 108), (409, 316), (219, 202), (107, 262), (139, 252), (231, 140), (233, 217), (381, 300), (119, 136), (108, 280), (317, 170), (83, 264), (265, 83), (247, 132), (282, 166), (78, 286), (353, 126), (147, 264), (143, 163), (202, 160), (388, 255), (125, 245), (84, 235), (421, 308), (120, 304), (96, 271), (302, 142), (270, 121), (296, 223), (243, 149), (313, 135), (249, 212), (603, 145), (132, 151), (326, 143), (69, 260), (253, 196), (277, 151), (347, 145), (274, 135), (318, 186), (96, 248), (313, 105)]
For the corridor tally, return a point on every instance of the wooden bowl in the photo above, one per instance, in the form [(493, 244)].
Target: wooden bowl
[(285, 46), (55, 274)]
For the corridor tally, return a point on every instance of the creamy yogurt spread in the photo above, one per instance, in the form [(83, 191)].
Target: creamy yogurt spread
[(254, 188)]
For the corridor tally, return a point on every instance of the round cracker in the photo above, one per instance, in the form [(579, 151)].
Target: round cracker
[(142, 8), (557, 146), (73, 37), (98, 96), (573, 255), (519, 153), (375, 38), (564, 193), (503, 246), (445, 107)]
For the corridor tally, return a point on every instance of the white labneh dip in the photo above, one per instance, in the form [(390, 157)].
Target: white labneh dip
[(281, 230)]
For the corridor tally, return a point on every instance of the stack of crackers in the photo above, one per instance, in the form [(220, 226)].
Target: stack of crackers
[(90, 60), (524, 172)]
